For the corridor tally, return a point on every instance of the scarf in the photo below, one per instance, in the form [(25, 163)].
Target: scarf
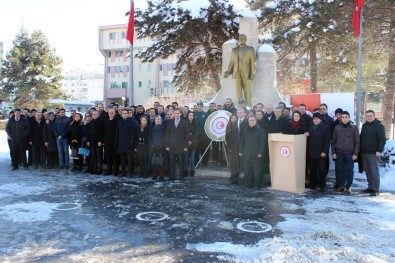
[(295, 124)]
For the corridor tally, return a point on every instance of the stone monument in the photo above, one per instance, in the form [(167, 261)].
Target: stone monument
[(263, 85)]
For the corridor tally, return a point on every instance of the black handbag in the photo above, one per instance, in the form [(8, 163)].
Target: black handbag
[(157, 161)]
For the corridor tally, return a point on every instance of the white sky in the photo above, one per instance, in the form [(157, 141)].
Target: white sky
[(71, 26)]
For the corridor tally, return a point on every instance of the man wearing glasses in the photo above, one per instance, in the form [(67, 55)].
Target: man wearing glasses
[(372, 144)]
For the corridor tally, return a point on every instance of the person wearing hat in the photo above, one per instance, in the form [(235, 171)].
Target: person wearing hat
[(318, 142), (242, 104)]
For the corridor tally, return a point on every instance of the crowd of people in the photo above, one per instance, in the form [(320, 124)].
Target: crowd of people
[(114, 140)]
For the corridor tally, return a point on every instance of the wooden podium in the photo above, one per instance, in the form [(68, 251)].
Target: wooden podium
[(287, 162)]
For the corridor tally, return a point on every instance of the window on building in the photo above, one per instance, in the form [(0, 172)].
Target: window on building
[(113, 85), (161, 67), (121, 53), (149, 83), (109, 54), (140, 84), (120, 69), (108, 69), (149, 67), (170, 66), (114, 35), (124, 85), (139, 68), (123, 34), (167, 84)]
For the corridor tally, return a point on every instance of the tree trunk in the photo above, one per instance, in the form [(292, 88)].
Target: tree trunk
[(388, 98), (313, 66)]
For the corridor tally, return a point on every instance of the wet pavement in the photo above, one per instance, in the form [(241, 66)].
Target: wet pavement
[(60, 216)]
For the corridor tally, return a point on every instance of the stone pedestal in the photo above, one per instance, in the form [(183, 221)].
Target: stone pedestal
[(263, 86)]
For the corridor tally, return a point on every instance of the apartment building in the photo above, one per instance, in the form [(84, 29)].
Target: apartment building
[(83, 85), (150, 79)]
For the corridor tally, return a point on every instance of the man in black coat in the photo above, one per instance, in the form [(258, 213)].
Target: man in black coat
[(95, 141), (110, 128), (49, 138), (372, 144), (319, 139), (18, 129), (36, 140), (252, 146), (177, 134), (236, 132), (124, 141), (277, 124)]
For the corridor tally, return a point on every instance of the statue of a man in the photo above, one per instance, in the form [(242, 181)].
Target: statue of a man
[(243, 68)]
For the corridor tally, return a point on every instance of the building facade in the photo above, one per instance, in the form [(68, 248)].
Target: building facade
[(150, 79), (83, 85)]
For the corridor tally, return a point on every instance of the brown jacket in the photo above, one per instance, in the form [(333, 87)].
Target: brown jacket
[(345, 139)]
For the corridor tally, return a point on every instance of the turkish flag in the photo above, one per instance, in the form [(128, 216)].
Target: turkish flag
[(357, 16), (130, 33)]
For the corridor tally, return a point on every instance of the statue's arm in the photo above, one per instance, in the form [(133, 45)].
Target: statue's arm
[(230, 67)]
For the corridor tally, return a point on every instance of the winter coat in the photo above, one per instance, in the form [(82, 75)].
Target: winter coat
[(277, 126), (124, 135), (328, 120), (141, 139), (372, 137), (177, 137), (301, 129), (200, 119), (95, 132), (319, 140), (192, 135), (18, 130), (36, 133), (61, 126), (49, 137), (307, 120), (110, 128), (345, 139), (253, 142), (75, 133), (156, 138)]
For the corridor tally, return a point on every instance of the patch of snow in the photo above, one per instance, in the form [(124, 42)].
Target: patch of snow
[(22, 189), (271, 5), (266, 48), (28, 212)]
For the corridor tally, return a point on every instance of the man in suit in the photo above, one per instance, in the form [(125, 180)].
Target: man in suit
[(177, 133), (242, 67)]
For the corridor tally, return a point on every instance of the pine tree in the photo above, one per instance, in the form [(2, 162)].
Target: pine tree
[(194, 33), (31, 73), (306, 28)]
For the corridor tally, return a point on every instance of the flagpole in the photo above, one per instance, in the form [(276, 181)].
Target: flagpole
[(131, 56), (359, 78)]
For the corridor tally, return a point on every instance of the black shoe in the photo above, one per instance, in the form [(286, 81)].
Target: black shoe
[(335, 186), (374, 193), (340, 189), (161, 179), (192, 173), (367, 191), (322, 189), (15, 168), (66, 167), (154, 178), (348, 190), (26, 167), (313, 187), (171, 178)]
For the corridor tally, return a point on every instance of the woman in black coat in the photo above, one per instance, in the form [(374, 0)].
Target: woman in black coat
[(156, 141), (141, 146), (75, 139), (297, 125), (84, 134), (192, 144)]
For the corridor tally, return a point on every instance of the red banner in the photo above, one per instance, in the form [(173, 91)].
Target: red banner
[(130, 33), (356, 19)]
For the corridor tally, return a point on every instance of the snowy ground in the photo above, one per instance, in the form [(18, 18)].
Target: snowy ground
[(57, 217)]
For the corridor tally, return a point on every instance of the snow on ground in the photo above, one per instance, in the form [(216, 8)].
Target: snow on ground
[(336, 228)]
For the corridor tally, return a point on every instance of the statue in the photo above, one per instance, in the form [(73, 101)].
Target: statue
[(243, 68)]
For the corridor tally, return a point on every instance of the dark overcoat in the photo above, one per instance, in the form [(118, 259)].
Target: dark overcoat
[(124, 135)]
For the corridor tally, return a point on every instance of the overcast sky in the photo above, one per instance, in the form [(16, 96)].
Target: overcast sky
[(71, 26)]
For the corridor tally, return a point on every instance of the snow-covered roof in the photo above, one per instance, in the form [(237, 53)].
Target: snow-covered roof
[(74, 102)]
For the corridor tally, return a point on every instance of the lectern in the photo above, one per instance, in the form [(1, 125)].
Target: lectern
[(288, 162)]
